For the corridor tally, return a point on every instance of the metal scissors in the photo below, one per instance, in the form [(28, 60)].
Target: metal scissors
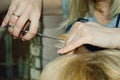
[(23, 32)]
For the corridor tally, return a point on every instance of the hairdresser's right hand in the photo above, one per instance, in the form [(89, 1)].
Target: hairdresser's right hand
[(19, 13)]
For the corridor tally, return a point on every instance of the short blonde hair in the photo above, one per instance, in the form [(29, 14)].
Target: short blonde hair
[(101, 65)]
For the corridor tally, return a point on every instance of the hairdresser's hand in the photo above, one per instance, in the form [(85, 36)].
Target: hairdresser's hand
[(88, 33), (20, 12)]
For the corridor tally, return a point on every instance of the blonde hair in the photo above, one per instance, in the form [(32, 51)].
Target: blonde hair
[(79, 9), (115, 8), (84, 65), (101, 65)]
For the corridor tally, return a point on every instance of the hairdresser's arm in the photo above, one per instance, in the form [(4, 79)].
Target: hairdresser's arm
[(93, 34), (29, 10)]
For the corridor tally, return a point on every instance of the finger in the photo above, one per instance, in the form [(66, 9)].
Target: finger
[(7, 17), (17, 12), (22, 33), (73, 32), (33, 27), (71, 46), (12, 7), (15, 15), (71, 37), (21, 22)]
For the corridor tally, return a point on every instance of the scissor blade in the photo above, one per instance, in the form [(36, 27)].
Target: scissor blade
[(41, 35), (23, 32)]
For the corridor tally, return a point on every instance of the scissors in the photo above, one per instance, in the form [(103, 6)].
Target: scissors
[(23, 32)]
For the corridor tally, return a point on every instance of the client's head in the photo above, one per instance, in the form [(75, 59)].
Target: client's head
[(102, 65)]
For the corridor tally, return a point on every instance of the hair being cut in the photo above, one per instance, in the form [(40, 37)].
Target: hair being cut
[(101, 65)]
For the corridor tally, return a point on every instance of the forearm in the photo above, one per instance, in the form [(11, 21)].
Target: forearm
[(52, 7)]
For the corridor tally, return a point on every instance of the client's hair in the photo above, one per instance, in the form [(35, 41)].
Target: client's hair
[(101, 65), (84, 65)]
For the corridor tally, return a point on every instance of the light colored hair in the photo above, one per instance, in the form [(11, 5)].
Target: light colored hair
[(115, 8), (101, 65), (79, 8)]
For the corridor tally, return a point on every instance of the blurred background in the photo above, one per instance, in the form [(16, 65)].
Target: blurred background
[(25, 60)]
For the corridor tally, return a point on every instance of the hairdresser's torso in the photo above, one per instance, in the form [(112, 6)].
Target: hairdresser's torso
[(101, 14), (110, 24)]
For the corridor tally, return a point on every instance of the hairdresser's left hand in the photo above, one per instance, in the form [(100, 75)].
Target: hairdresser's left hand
[(89, 33)]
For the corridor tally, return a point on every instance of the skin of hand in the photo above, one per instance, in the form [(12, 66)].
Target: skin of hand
[(90, 33), (27, 10)]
